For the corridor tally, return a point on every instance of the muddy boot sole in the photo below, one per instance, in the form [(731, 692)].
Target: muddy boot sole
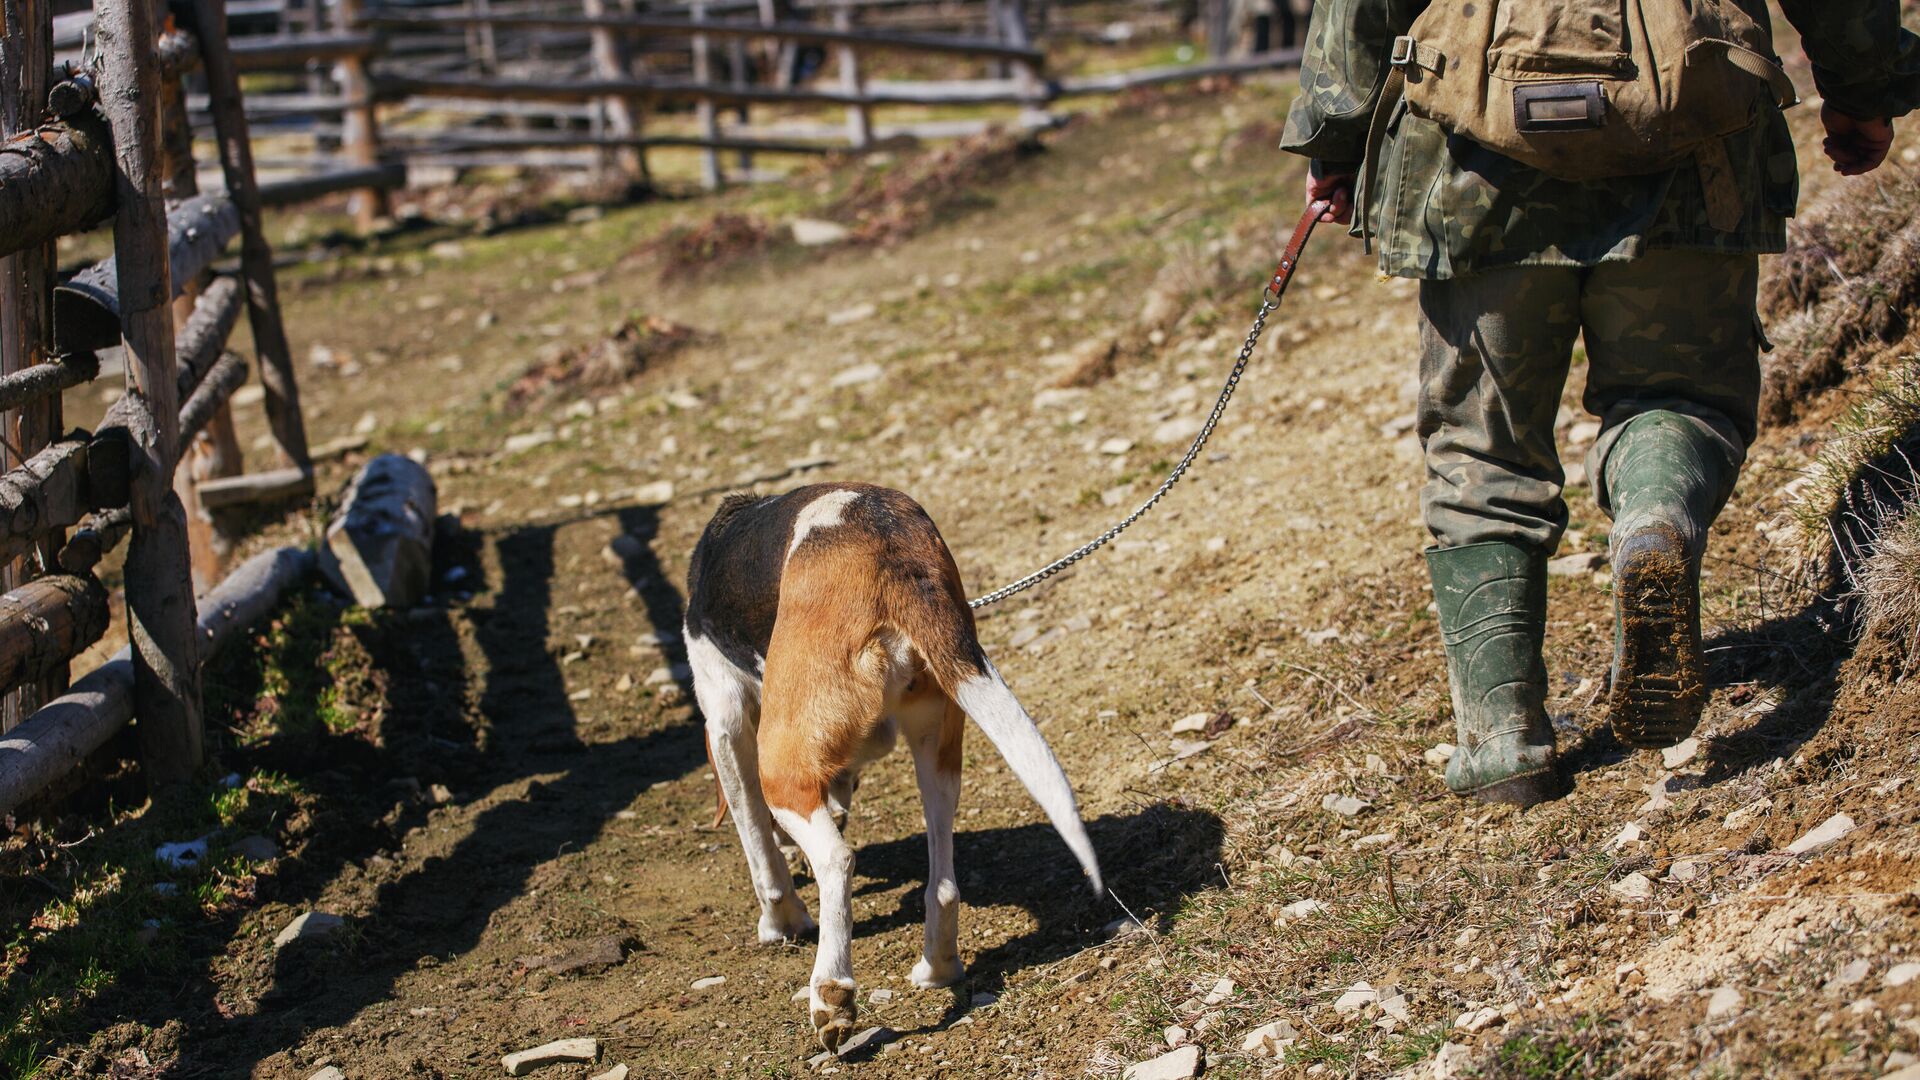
[(1528, 789), (1659, 670)]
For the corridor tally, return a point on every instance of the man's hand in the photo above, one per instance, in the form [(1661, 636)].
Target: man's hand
[(1337, 189), (1856, 146)]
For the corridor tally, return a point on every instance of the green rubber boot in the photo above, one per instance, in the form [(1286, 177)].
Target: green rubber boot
[(1665, 485), (1493, 616)]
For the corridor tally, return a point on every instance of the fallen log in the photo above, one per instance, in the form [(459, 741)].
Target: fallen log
[(54, 181), (47, 622), (86, 310), (380, 548), (64, 731), (43, 380), (48, 492)]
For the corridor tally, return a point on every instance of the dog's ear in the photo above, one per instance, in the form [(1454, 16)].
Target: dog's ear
[(719, 793)]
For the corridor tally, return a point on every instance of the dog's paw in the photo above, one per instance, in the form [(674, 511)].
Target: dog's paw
[(784, 921), (831, 1008), (931, 975)]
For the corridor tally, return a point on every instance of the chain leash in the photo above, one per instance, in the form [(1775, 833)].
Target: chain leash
[(1270, 295)]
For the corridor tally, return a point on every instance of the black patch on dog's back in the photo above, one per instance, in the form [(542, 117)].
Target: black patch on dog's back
[(733, 585)]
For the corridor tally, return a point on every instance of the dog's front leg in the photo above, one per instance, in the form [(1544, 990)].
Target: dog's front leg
[(830, 992)]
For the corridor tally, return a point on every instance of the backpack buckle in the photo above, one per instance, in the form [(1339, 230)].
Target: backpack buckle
[(1403, 51)]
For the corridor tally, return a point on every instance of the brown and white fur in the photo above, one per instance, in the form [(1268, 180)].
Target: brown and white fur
[(822, 625)]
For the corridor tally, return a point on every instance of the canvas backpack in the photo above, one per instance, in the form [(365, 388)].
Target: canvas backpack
[(1587, 89)]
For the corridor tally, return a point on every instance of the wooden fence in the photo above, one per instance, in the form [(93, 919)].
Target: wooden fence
[(109, 142)]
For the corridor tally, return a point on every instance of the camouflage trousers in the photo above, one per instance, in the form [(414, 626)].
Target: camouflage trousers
[(1672, 330)]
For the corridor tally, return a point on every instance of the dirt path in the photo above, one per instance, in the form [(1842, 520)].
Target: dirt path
[(497, 780)]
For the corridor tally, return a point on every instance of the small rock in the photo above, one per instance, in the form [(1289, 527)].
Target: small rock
[(554, 1053), (1438, 754), (873, 1036), (1673, 757), (256, 849), (1579, 564), (618, 1072), (1631, 834), (1900, 975), (984, 998), (1344, 805), (813, 232), (854, 314), (657, 493), (1300, 909), (1175, 1035), (880, 995), (1689, 868), (858, 374), (515, 444), (1187, 725), (1450, 1061), (183, 854), (1901, 1064), (1222, 990), (1180, 429), (1747, 814), (441, 794), (1116, 446), (1828, 831), (1393, 1003), (1634, 886), (1725, 1002), (329, 1073), (1355, 999), (1269, 1040), (1851, 974), (312, 924), (1180, 1064), (1478, 1020), (709, 982)]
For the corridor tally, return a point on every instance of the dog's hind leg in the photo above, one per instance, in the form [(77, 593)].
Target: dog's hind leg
[(729, 700), (933, 726)]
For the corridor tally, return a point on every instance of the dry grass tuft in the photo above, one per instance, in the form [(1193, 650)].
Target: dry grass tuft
[(1849, 277), (602, 366), (1863, 478), (720, 239), (888, 207), (1887, 585)]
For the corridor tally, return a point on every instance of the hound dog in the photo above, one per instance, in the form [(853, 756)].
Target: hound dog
[(821, 626)]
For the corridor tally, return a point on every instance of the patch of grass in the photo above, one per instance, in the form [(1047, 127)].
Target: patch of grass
[(1868, 469)]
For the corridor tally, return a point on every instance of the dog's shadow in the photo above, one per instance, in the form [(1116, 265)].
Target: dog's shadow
[(1153, 859)]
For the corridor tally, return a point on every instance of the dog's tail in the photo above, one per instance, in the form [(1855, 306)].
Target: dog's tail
[(944, 637)]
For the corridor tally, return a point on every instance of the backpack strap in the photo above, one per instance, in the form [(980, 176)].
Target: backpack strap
[(1407, 54)]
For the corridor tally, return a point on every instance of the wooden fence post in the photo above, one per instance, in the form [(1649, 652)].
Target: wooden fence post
[(611, 61), (710, 175), (859, 116), (160, 610), (1033, 110), (215, 451), (271, 352), (26, 305), (360, 124), (481, 39)]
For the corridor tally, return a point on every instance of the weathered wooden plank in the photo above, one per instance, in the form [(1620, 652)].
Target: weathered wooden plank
[(1158, 76), (201, 341), (67, 729), (54, 180), (268, 486), (981, 92), (48, 492), (87, 309), (282, 404), (166, 685), (294, 51), (97, 534), (379, 548), (389, 175), (657, 26), (485, 138), (42, 380), (47, 622)]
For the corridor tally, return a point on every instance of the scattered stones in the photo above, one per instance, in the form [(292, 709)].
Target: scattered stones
[(857, 375), (1726, 1001), (1179, 1064), (709, 982), (312, 924), (1358, 997), (1269, 1040), (1900, 975), (558, 1052), (1344, 805), (1438, 754), (656, 493), (1393, 1002), (1659, 795), (1116, 446), (1187, 725), (183, 854), (1578, 564), (1679, 754), (1175, 1035), (1748, 814), (813, 232), (1478, 1020), (1826, 833), (1631, 834), (1635, 886), (1222, 990), (256, 849)]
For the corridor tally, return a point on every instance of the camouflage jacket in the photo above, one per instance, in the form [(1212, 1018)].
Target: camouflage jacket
[(1447, 207)]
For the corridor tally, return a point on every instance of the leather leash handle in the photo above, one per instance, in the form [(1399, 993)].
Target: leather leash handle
[(1290, 258)]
